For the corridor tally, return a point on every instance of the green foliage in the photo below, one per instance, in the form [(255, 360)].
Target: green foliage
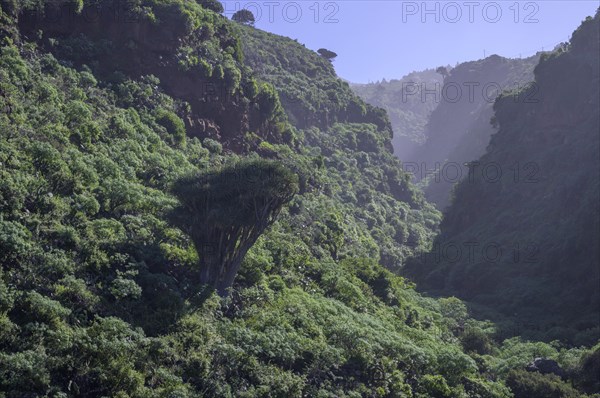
[(21, 371), (173, 124), (99, 294), (327, 54), (476, 340), (213, 146), (587, 371), (545, 280), (310, 91), (535, 385), (225, 211), (407, 106), (244, 16), (213, 5), (44, 309), (14, 241), (436, 386), (125, 288)]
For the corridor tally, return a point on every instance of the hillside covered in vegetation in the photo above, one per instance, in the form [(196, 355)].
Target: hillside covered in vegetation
[(442, 118), (152, 151), (530, 205), (460, 127), (409, 102)]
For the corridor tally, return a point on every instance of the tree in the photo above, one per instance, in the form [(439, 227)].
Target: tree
[(225, 210), (442, 70), (214, 5), (244, 17), (536, 385), (327, 54), (173, 124)]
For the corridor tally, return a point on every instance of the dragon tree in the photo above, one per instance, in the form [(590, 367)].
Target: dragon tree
[(225, 210)]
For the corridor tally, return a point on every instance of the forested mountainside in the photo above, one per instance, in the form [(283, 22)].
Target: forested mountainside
[(409, 102), (345, 136), (442, 120), (460, 128), (123, 130), (529, 209), (311, 92)]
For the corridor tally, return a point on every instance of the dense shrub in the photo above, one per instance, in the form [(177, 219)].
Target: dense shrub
[(173, 124), (536, 385)]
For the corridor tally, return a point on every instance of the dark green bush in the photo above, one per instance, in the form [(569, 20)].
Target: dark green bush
[(536, 385), (476, 340), (173, 124), (213, 5)]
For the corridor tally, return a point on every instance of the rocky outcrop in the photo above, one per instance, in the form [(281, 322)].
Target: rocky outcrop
[(546, 366), (141, 44)]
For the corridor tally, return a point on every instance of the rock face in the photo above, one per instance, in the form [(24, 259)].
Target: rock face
[(139, 46), (546, 366)]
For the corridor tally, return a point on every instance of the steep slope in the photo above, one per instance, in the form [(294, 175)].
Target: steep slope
[(353, 139), (309, 88), (191, 50), (100, 293), (470, 90), (409, 102), (534, 196), (459, 129), (442, 123)]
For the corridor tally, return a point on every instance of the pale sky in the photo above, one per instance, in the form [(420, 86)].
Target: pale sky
[(388, 39)]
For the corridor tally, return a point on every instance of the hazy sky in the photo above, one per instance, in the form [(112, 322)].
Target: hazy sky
[(388, 39)]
